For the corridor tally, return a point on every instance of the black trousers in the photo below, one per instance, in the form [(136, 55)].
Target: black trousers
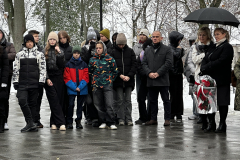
[(142, 94), (90, 111), (27, 100), (6, 101), (39, 102), (66, 102), (176, 95), (2, 108), (153, 99), (55, 95)]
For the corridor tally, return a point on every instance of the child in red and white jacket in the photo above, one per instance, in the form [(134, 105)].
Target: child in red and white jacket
[(76, 78)]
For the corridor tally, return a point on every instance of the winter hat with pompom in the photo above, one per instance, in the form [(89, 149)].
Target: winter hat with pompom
[(91, 34)]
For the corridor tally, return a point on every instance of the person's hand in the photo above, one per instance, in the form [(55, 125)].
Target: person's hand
[(122, 76), (77, 89), (151, 75), (92, 44), (57, 49), (15, 85), (126, 78), (156, 75), (49, 82), (179, 47), (3, 85)]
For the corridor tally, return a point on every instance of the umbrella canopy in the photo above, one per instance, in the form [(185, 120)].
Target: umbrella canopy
[(212, 15)]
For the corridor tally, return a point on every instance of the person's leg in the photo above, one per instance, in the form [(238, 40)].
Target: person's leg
[(142, 96), (223, 111), (32, 101), (98, 99), (211, 123), (108, 102), (91, 109), (2, 115), (120, 98), (128, 105), (6, 101), (138, 83), (164, 91), (80, 100), (39, 102), (70, 109), (153, 102)]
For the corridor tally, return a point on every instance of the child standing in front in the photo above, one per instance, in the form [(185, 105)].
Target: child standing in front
[(76, 78)]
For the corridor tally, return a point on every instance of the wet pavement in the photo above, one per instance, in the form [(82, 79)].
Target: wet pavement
[(128, 142)]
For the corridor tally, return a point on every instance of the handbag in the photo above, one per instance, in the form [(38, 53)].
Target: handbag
[(233, 79)]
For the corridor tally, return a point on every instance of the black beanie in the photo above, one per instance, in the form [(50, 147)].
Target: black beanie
[(28, 37)]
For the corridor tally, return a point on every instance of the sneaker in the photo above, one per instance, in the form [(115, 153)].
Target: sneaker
[(54, 127), (172, 120), (179, 121), (78, 124), (121, 123), (140, 122), (62, 128), (30, 127), (69, 126), (6, 126), (102, 126), (129, 123), (39, 124), (192, 117), (112, 127)]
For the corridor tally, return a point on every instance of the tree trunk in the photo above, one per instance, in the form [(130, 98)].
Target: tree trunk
[(47, 6), (19, 23), (156, 16), (8, 7), (83, 19)]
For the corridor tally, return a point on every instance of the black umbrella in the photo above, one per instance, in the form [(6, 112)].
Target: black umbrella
[(212, 15)]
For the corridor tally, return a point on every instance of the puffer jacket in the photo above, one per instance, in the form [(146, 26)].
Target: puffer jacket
[(10, 50), (127, 65), (102, 69), (76, 75), (67, 49), (189, 66), (86, 54), (4, 72), (29, 68), (178, 53), (55, 62)]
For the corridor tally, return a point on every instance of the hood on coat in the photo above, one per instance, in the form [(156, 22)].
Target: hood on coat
[(174, 38), (4, 36), (104, 47)]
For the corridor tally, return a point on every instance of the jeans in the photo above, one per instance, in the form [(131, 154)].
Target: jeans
[(6, 101), (103, 101), (194, 106), (153, 99), (80, 100), (124, 111)]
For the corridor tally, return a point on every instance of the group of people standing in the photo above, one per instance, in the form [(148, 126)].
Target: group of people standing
[(102, 76)]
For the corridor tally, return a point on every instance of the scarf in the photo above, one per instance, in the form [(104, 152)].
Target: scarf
[(219, 42)]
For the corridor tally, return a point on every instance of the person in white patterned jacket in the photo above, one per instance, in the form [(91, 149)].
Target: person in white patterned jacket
[(29, 71)]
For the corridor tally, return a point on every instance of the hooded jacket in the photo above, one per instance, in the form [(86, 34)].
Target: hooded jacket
[(76, 75), (10, 50), (127, 65), (174, 38), (102, 69), (29, 68), (67, 49), (4, 67)]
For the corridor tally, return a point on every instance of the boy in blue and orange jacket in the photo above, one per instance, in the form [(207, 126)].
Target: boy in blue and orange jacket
[(76, 78)]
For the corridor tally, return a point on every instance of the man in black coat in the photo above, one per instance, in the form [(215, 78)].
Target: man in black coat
[(157, 61)]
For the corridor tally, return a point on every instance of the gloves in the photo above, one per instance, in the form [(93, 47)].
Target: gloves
[(203, 48), (147, 43), (92, 45), (192, 80), (15, 85), (3, 85)]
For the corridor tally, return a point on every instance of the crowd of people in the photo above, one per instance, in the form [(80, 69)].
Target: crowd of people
[(101, 75)]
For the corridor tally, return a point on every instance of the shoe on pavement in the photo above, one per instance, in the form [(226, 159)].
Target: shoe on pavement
[(112, 127), (69, 126), (62, 128), (179, 121), (6, 126), (39, 124), (95, 124), (192, 117), (151, 122), (102, 126), (172, 120), (30, 127), (130, 123), (121, 123), (78, 124), (140, 122), (166, 123), (53, 127)]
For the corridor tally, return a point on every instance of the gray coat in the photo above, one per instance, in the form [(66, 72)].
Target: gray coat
[(189, 67), (159, 61), (137, 48)]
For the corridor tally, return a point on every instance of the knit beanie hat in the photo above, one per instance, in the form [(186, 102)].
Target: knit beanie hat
[(76, 49), (106, 33), (144, 31), (121, 39), (91, 34), (28, 37), (53, 35)]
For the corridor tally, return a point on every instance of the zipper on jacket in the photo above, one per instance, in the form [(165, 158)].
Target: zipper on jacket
[(123, 66)]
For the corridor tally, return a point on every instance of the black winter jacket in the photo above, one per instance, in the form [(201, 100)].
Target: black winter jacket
[(126, 63), (67, 49), (4, 67), (87, 53), (217, 63), (55, 63), (174, 38)]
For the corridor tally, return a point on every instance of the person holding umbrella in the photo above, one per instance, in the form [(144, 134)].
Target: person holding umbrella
[(217, 64)]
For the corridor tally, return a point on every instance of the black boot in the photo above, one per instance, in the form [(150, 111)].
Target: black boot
[(30, 127), (204, 121), (211, 124), (200, 119), (221, 128), (78, 124), (2, 122)]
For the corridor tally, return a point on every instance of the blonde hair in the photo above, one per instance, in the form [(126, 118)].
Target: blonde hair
[(207, 31), (223, 31), (48, 46)]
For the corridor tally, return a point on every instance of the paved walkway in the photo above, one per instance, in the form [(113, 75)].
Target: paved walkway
[(128, 142)]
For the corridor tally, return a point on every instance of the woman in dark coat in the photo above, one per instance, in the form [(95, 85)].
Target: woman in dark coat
[(217, 64), (4, 72), (125, 82)]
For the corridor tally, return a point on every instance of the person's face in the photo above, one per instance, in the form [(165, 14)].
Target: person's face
[(143, 37), (219, 35), (99, 49), (29, 44), (121, 45), (1, 35), (62, 39), (52, 42), (76, 55), (36, 38), (103, 38), (203, 37), (156, 37)]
